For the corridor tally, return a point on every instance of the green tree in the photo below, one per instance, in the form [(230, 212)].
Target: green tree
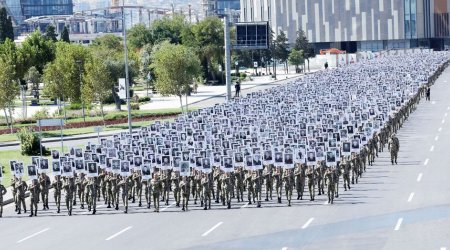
[(37, 51), (9, 84), (62, 76), (209, 44), (34, 77), (175, 67), (65, 35), (302, 44), (97, 82), (296, 58), (110, 49), (6, 28), (50, 33), (138, 36), (281, 48), (168, 28)]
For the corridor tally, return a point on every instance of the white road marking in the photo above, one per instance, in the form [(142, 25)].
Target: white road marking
[(284, 248), (440, 129), (87, 212), (443, 248), (419, 177), (399, 223), (325, 203), (168, 206), (212, 229), (308, 222), (245, 205), (118, 233), (443, 121), (432, 148), (436, 138), (445, 114), (31, 236), (433, 102), (426, 162), (411, 197)]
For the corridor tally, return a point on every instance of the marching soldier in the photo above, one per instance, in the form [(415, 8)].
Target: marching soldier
[(137, 187), (93, 186), (21, 188), (165, 179), (216, 175), (300, 176), (329, 182), (257, 185), (393, 147), (239, 184), (346, 168), (80, 185), (124, 185), (184, 188), (103, 184), (226, 188), (249, 184), (14, 180), (57, 189), (34, 195), (175, 179), (206, 190), (278, 180), (115, 190), (2, 192), (288, 184), (69, 186), (267, 173), (156, 191), (311, 179), (146, 185), (44, 182)]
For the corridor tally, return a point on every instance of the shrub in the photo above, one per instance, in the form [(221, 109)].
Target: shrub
[(144, 99), (30, 142), (134, 106), (41, 114)]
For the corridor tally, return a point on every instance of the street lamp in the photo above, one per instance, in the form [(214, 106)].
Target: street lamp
[(127, 80)]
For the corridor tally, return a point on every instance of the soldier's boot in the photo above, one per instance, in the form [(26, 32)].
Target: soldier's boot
[(353, 181), (279, 199), (217, 200), (133, 200), (70, 212), (298, 196), (74, 203), (148, 205), (249, 201), (183, 208), (205, 208), (109, 205), (223, 201), (289, 203), (209, 205), (126, 210), (94, 211), (117, 206), (31, 215), (229, 205), (58, 211), (82, 206), (89, 208), (259, 204), (140, 204), (201, 203)]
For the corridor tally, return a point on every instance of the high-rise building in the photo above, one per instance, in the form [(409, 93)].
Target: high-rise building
[(354, 25), (222, 7)]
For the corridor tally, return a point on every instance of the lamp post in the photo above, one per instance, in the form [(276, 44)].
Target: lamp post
[(127, 80)]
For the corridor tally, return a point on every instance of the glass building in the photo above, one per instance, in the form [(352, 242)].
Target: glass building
[(222, 5), (32, 8)]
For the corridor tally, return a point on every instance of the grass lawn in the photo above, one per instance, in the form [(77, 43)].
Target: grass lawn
[(6, 156)]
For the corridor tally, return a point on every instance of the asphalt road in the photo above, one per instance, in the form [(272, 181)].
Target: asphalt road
[(406, 206)]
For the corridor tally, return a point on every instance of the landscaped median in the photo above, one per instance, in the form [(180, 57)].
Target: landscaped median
[(116, 120)]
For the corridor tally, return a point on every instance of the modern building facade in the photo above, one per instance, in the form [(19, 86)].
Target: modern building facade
[(355, 25), (222, 7)]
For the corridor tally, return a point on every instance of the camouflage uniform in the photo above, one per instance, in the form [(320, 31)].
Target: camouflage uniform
[(125, 185), (393, 147), (239, 180), (156, 191), (14, 180), (329, 181), (137, 187), (93, 187), (57, 189), (300, 177), (257, 185), (216, 175), (278, 181), (21, 188), (175, 179), (320, 171), (165, 179), (288, 184), (249, 184), (206, 190), (184, 189), (226, 188), (34, 195), (146, 185), (311, 179), (44, 182), (267, 173), (103, 184), (80, 185), (346, 168), (2, 192), (69, 186)]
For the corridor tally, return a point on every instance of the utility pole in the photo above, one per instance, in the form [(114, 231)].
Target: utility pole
[(127, 80), (227, 56)]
